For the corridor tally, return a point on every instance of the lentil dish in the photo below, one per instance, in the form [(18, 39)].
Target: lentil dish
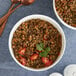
[(66, 9), (36, 43)]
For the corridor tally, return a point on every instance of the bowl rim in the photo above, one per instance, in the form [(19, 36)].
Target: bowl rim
[(43, 17), (64, 23)]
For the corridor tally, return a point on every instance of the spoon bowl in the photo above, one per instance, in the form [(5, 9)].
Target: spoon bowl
[(14, 1), (27, 2)]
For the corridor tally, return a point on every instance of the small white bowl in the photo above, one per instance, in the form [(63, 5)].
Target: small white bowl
[(42, 17), (64, 23)]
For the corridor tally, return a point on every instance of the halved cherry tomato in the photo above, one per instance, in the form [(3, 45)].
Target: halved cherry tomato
[(34, 56), (22, 52), (49, 63), (46, 61), (22, 60)]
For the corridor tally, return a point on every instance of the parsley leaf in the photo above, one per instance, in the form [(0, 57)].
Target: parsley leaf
[(47, 49), (40, 46), (43, 54)]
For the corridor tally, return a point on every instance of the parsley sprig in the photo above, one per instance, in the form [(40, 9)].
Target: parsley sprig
[(45, 51)]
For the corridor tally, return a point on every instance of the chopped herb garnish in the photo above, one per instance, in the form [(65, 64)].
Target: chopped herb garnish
[(47, 49), (40, 47), (44, 53)]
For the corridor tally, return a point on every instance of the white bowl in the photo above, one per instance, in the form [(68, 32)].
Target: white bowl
[(50, 20), (64, 23)]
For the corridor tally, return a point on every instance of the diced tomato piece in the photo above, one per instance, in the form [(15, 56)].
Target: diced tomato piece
[(46, 61), (49, 63), (22, 60), (22, 52), (34, 57)]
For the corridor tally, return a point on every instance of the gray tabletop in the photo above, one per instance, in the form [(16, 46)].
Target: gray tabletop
[(8, 66)]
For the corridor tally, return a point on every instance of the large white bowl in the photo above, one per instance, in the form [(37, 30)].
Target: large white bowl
[(64, 23), (42, 17)]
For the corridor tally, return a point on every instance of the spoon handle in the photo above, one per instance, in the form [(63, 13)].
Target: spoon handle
[(8, 14), (5, 18), (3, 25), (10, 8)]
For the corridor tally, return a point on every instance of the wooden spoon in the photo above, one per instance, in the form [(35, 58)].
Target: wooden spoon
[(3, 20)]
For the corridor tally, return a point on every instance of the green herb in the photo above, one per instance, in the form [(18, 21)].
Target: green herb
[(47, 49), (45, 52), (40, 46)]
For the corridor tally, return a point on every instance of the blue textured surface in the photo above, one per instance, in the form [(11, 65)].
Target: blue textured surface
[(8, 66)]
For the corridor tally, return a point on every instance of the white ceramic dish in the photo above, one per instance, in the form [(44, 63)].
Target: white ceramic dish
[(71, 27), (70, 70), (55, 74), (42, 17)]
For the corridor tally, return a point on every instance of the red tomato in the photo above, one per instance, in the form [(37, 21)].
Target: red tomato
[(49, 63), (46, 61), (34, 57), (22, 60), (22, 52)]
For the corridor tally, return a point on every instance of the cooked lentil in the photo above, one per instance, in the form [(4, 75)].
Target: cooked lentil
[(66, 9), (36, 32)]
